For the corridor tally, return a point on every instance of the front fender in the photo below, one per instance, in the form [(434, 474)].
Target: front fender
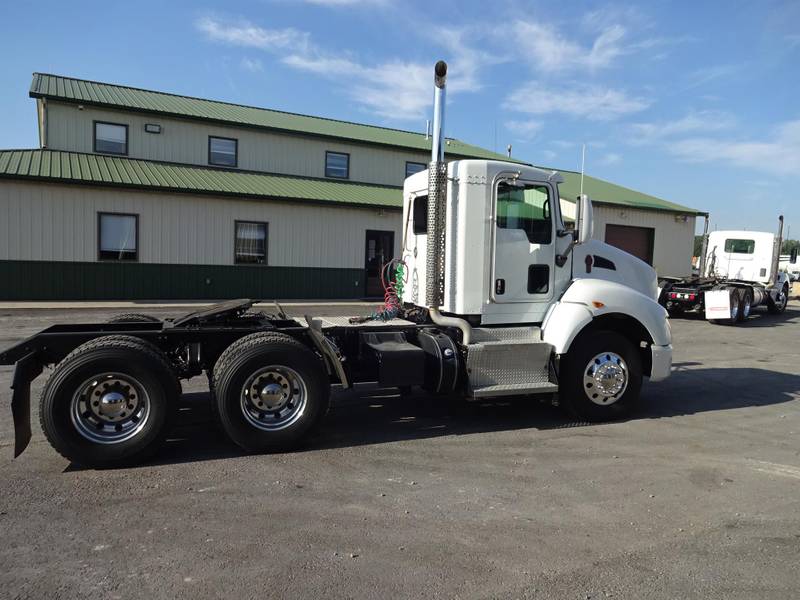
[(587, 299)]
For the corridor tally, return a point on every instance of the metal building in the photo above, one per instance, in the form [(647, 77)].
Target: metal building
[(136, 194)]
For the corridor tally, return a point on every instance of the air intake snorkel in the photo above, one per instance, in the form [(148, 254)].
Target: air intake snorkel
[(437, 213)]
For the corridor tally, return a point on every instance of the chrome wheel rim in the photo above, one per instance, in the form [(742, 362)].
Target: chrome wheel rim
[(746, 307), (110, 408), (783, 299), (273, 398), (605, 378), (734, 306)]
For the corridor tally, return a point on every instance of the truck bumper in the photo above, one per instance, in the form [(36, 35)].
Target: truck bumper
[(662, 362)]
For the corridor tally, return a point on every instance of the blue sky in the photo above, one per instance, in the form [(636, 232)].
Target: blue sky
[(695, 102)]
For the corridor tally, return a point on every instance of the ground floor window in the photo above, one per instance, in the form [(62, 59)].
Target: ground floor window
[(250, 246), (117, 236)]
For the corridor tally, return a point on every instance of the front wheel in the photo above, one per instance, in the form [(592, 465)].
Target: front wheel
[(270, 391), (601, 377), (778, 305)]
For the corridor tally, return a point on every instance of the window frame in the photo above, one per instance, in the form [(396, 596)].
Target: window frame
[(411, 162), (266, 243), (235, 152), (95, 123), (750, 244), (552, 192), (347, 171), (100, 215)]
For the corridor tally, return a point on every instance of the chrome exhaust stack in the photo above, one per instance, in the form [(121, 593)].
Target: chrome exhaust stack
[(703, 250), (776, 253), (437, 197), (437, 213)]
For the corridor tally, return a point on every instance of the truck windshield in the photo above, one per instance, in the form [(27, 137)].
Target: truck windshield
[(525, 207), (734, 246)]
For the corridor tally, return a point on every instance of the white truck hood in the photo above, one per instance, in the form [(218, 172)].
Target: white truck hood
[(598, 260)]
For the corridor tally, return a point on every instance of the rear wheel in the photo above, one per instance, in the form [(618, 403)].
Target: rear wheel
[(110, 402), (778, 305), (601, 377), (270, 390), (745, 306)]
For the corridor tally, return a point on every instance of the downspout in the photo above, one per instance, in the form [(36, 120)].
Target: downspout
[(437, 214), (704, 250)]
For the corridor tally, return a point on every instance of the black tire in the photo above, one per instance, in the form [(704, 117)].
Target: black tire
[(129, 357), (307, 391), (133, 318), (735, 304), (779, 307), (586, 403), (745, 305)]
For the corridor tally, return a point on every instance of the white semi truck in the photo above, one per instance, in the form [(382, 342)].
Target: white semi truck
[(499, 298), (739, 271)]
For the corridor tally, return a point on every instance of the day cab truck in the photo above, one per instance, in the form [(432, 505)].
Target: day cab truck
[(738, 271), (499, 299)]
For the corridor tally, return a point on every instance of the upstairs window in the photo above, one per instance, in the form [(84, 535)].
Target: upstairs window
[(110, 138), (734, 246), (223, 152), (414, 167), (337, 164), (117, 236), (525, 207), (250, 246)]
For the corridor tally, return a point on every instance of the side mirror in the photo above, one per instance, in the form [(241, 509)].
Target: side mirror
[(793, 256), (584, 220)]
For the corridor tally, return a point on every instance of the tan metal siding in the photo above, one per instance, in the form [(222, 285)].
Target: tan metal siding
[(47, 221), (674, 237), (185, 141)]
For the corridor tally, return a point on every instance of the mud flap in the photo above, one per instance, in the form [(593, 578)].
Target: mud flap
[(28, 369)]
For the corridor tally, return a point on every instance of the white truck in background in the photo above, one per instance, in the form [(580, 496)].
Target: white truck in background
[(739, 270)]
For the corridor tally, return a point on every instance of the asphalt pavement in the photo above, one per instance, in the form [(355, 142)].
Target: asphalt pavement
[(698, 496)]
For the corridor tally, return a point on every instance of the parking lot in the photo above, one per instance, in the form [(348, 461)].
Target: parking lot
[(698, 496)]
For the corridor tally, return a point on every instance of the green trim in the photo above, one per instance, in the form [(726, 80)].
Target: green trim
[(57, 280), (56, 166)]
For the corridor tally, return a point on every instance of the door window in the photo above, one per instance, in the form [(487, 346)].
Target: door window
[(526, 207)]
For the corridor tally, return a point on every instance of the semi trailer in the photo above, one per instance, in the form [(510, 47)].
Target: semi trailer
[(738, 271), (493, 296)]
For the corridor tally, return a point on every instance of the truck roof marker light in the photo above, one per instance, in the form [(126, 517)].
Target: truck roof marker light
[(597, 304)]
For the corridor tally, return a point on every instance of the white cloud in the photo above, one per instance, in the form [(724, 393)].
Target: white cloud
[(592, 102), (348, 3), (778, 152), (393, 89), (609, 159), (696, 122), (524, 129), (251, 64), (252, 36), (549, 50)]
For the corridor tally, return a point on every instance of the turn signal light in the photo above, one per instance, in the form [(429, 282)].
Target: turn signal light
[(597, 304)]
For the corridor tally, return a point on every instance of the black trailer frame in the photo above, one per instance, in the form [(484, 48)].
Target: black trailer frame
[(381, 352)]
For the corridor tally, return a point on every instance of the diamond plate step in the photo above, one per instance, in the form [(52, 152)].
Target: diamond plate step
[(509, 360), (514, 389)]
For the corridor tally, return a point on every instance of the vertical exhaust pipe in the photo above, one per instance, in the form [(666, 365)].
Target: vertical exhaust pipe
[(437, 213), (776, 252), (704, 250), (437, 196)]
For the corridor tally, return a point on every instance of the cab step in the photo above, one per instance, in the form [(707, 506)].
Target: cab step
[(503, 361)]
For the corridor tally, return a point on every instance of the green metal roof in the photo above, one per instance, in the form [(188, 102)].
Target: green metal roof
[(128, 98), (93, 169), (603, 192)]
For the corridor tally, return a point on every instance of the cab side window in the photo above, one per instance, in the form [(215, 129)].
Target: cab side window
[(526, 207)]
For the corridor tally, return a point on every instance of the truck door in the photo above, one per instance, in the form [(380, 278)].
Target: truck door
[(524, 249)]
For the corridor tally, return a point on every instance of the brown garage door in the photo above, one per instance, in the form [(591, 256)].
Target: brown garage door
[(634, 240)]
